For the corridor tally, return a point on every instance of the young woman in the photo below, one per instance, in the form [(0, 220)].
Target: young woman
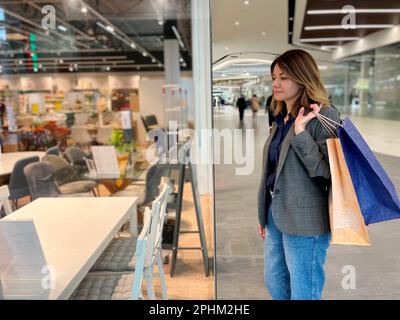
[(293, 194)]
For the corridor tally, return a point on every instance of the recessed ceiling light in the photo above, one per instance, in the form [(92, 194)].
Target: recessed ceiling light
[(226, 48), (247, 2), (133, 46), (290, 18), (75, 66), (144, 54), (153, 60), (160, 22), (107, 68), (181, 60), (263, 34), (20, 62), (237, 23), (84, 9), (160, 65), (61, 61), (71, 69), (110, 29)]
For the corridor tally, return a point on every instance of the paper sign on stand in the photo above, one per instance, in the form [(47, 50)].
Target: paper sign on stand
[(105, 159)]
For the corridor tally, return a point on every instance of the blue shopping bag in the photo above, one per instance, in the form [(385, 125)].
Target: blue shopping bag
[(375, 191)]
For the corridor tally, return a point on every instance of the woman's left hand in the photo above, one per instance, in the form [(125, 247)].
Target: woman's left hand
[(302, 120)]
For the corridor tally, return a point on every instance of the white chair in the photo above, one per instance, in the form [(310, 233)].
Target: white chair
[(4, 200), (80, 135), (81, 118), (103, 134), (148, 254)]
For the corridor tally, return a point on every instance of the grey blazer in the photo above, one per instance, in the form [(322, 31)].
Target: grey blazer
[(300, 204)]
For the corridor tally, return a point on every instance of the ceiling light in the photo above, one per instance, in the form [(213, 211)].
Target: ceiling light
[(144, 54), (20, 62), (340, 11), (329, 39), (224, 75), (84, 9), (62, 28), (160, 65), (153, 60), (133, 46), (178, 36), (181, 60), (322, 67), (350, 26), (160, 22), (107, 68), (263, 34), (247, 2), (75, 66), (61, 61), (226, 48), (329, 47), (71, 69), (110, 29), (237, 23), (290, 18)]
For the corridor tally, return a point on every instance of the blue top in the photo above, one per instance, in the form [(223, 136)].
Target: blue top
[(275, 147)]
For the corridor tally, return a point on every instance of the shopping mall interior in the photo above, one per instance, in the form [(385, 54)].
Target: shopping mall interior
[(114, 181), (360, 71)]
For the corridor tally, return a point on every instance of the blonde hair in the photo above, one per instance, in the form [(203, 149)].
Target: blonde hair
[(300, 66)]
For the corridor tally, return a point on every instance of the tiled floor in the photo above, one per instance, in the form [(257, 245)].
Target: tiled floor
[(240, 250)]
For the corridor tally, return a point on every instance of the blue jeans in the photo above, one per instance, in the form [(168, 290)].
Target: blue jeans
[(294, 265)]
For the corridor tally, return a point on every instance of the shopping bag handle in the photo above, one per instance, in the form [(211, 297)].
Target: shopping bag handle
[(329, 124)]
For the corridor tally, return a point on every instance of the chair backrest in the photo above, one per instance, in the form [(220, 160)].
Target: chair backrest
[(39, 176), (76, 155), (80, 135), (151, 120), (63, 172), (81, 118), (153, 179), (103, 134), (54, 151), (158, 214), (4, 200), (18, 185), (140, 255), (144, 123)]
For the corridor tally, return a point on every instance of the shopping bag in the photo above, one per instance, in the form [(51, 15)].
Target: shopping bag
[(346, 221), (375, 191)]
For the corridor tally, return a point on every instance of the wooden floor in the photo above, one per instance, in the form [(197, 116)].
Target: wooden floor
[(189, 281)]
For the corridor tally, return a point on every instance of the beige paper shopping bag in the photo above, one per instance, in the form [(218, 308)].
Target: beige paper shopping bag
[(346, 221)]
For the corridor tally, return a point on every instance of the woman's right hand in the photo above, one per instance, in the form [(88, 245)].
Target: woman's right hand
[(261, 231)]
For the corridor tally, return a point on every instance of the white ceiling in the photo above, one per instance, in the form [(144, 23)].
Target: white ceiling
[(268, 16)]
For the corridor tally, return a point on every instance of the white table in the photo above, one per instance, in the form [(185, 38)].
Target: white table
[(8, 160), (73, 233)]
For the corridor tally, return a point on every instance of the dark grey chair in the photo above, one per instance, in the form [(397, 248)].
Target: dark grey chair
[(77, 158), (54, 151), (148, 191), (18, 185), (66, 177), (39, 176)]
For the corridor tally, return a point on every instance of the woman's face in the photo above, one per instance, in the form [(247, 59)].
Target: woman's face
[(284, 88)]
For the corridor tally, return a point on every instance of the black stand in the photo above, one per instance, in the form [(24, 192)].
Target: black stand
[(187, 167)]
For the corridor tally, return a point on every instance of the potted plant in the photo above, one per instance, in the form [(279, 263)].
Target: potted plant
[(122, 147)]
